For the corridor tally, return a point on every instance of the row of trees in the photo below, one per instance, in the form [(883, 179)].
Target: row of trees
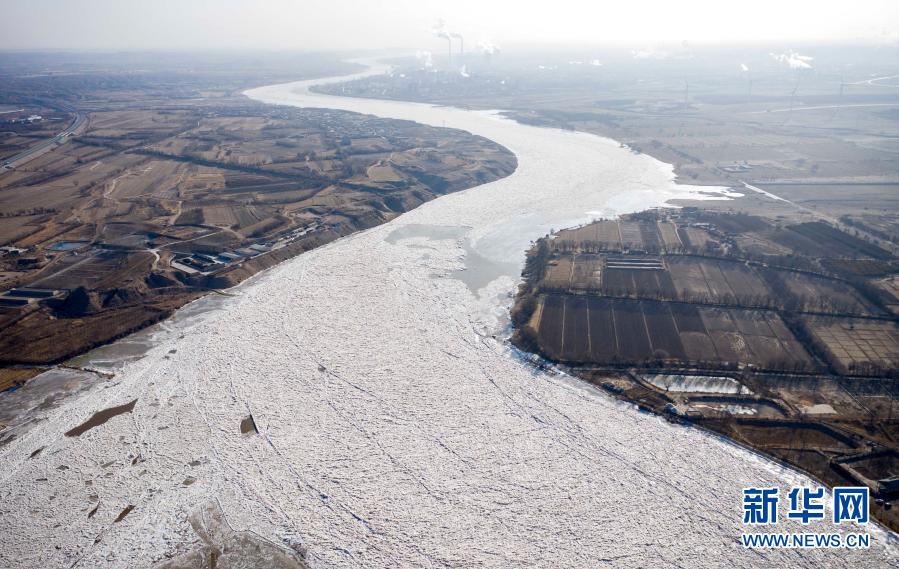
[(27, 212), (785, 301), (528, 339)]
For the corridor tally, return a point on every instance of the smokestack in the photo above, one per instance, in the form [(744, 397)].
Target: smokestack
[(745, 69), (793, 95), (449, 44), (440, 31), (836, 109), (459, 37)]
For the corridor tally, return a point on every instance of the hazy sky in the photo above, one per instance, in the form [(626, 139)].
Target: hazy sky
[(350, 24)]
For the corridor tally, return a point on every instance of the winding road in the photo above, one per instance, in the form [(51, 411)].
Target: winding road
[(38, 149)]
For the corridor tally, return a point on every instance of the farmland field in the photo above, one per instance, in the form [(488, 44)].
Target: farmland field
[(584, 328), (817, 239), (714, 308), (668, 233), (822, 295), (855, 344), (176, 193)]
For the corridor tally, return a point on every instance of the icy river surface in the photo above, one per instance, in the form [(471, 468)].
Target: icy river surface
[(396, 427)]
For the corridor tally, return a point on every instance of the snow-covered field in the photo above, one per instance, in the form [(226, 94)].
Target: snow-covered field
[(395, 430)]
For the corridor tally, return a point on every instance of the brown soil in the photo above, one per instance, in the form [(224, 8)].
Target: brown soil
[(100, 417), (145, 208), (248, 425), (124, 513)]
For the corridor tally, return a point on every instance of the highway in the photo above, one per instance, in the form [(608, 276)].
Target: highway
[(45, 145)]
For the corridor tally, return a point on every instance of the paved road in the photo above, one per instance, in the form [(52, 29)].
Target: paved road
[(820, 108), (45, 145)]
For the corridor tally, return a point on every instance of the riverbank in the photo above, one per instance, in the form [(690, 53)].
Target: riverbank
[(694, 315), (160, 206)]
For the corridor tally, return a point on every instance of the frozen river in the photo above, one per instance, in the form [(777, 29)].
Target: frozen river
[(396, 428)]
